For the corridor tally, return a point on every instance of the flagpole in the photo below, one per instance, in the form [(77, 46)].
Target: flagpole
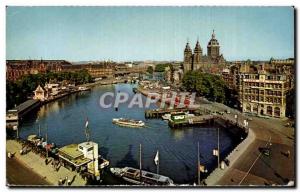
[(46, 142), (157, 166), (141, 163), (39, 130), (199, 179), (218, 149)]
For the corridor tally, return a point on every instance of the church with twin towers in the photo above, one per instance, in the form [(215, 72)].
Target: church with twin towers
[(212, 62)]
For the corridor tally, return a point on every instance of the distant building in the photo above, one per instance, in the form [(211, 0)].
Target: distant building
[(96, 70), (15, 69), (213, 62)]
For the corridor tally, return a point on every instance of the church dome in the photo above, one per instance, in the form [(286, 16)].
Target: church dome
[(197, 47), (187, 48), (213, 41)]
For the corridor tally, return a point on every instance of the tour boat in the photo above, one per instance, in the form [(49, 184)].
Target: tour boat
[(167, 116), (84, 88), (128, 122), (132, 175)]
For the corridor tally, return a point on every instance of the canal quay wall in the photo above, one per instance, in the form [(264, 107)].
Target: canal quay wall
[(218, 173)]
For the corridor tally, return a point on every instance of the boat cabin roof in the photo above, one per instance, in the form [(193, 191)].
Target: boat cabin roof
[(71, 154)]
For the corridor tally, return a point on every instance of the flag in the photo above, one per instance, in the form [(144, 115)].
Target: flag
[(86, 123), (216, 152), (156, 159), (202, 168), (86, 130)]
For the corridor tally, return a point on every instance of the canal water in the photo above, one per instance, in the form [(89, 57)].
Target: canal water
[(64, 121)]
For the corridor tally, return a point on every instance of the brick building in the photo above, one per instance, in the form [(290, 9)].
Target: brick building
[(15, 69)]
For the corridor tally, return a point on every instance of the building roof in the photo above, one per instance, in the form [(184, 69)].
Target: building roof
[(71, 154), (187, 48), (71, 150), (25, 105), (39, 89)]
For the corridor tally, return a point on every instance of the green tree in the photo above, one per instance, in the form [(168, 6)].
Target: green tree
[(210, 86), (150, 69), (18, 92), (160, 67)]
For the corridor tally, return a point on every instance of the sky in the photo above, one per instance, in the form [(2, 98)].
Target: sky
[(147, 33)]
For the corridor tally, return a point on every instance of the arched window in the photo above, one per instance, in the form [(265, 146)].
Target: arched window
[(277, 112), (269, 110)]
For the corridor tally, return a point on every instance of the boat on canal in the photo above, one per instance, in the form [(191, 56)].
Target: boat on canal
[(128, 122), (168, 116), (84, 89), (141, 177)]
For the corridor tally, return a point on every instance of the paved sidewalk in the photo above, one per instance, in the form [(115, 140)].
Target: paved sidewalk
[(37, 165)]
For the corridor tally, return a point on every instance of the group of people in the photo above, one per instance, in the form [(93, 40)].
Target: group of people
[(10, 155), (66, 181)]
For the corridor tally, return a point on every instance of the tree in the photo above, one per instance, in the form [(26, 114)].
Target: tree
[(18, 92), (150, 69), (210, 86), (161, 67)]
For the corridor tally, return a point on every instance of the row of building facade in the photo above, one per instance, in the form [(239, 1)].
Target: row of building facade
[(262, 86), (15, 69)]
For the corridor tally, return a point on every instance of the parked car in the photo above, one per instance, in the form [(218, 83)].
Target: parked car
[(265, 151)]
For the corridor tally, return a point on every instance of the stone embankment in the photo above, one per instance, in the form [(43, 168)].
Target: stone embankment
[(217, 174)]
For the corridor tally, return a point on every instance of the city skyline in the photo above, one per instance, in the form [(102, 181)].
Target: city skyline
[(140, 33)]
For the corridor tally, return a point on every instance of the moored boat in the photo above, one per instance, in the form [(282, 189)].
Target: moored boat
[(133, 175), (128, 122), (166, 116), (84, 89)]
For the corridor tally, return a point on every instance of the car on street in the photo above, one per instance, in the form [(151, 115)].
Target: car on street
[(265, 151)]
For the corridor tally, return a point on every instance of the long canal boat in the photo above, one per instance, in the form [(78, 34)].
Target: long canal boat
[(141, 177), (128, 122)]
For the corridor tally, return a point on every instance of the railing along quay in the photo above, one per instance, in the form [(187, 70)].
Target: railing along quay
[(158, 113)]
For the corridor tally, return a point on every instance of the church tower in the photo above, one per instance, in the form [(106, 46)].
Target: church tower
[(213, 47), (188, 58), (197, 56)]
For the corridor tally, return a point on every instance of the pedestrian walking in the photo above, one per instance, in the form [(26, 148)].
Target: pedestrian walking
[(66, 180), (69, 182), (60, 181)]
